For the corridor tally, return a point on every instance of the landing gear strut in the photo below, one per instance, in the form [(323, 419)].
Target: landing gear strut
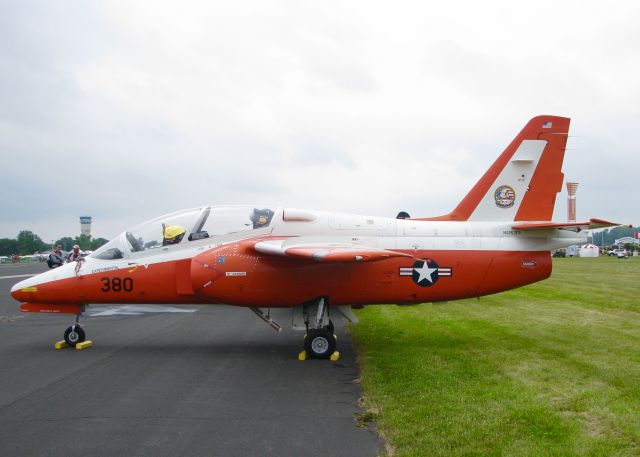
[(74, 334), (319, 341)]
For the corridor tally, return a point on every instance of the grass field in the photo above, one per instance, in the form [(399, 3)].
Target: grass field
[(548, 369)]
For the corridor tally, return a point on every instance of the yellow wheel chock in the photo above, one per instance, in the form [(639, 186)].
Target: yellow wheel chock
[(84, 345), (79, 346), (302, 356), (61, 344)]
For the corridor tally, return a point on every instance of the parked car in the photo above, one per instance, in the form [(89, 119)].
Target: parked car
[(560, 253), (619, 253)]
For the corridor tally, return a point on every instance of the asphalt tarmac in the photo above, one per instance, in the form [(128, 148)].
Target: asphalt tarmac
[(213, 382)]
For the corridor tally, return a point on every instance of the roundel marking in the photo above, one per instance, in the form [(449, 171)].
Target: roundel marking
[(505, 197), (425, 273)]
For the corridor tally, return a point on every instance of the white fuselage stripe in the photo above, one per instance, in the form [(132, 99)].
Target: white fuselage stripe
[(424, 238)]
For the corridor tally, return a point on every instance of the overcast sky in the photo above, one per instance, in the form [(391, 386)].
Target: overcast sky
[(128, 110)]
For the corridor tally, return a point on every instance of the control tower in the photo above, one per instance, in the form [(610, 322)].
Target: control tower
[(85, 225), (572, 187)]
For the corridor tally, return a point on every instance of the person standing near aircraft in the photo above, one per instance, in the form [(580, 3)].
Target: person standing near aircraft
[(75, 254), (55, 258)]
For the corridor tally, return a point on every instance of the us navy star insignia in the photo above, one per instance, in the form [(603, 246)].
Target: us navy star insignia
[(426, 272)]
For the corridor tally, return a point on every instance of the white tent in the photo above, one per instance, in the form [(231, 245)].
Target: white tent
[(589, 250)]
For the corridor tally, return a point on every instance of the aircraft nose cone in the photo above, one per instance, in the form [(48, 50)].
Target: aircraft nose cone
[(23, 291)]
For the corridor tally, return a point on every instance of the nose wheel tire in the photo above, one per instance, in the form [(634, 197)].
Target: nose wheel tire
[(319, 343), (74, 335)]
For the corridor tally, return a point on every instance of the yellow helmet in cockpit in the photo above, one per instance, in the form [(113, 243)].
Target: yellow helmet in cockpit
[(172, 234)]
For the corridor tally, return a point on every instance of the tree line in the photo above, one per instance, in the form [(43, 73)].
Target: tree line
[(27, 243), (607, 237)]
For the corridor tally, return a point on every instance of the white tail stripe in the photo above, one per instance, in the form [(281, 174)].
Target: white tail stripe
[(513, 181)]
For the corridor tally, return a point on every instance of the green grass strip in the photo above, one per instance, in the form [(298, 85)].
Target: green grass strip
[(551, 369)]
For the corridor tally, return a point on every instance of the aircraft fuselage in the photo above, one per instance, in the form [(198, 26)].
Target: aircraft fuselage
[(445, 261)]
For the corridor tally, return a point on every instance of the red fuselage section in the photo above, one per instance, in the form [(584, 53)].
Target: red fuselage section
[(238, 275)]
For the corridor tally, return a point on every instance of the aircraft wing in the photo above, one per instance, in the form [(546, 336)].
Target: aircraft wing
[(325, 252), (571, 226)]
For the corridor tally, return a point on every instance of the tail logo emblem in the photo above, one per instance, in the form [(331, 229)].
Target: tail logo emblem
[(505, 197), (425, 273)]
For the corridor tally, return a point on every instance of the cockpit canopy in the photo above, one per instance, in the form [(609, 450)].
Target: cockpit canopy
[(183, 227)]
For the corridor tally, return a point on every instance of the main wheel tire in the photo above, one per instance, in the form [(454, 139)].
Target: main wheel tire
[(74, 335), (320, 343)]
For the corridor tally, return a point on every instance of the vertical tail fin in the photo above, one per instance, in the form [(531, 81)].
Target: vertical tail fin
[(523, 182)]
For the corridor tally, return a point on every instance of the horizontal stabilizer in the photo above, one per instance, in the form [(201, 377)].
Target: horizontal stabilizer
[(592, 224), (325, 252)]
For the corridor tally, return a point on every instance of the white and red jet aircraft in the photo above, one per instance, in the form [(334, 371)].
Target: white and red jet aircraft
[(318, 263)]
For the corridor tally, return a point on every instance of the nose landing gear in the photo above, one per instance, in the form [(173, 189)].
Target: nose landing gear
[(75, 336)]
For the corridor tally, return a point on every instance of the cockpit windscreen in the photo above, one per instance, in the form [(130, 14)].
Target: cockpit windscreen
[(183, 227)]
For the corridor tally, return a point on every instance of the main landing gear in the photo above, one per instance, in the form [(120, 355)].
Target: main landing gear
[(319, 341), (313, 317)]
